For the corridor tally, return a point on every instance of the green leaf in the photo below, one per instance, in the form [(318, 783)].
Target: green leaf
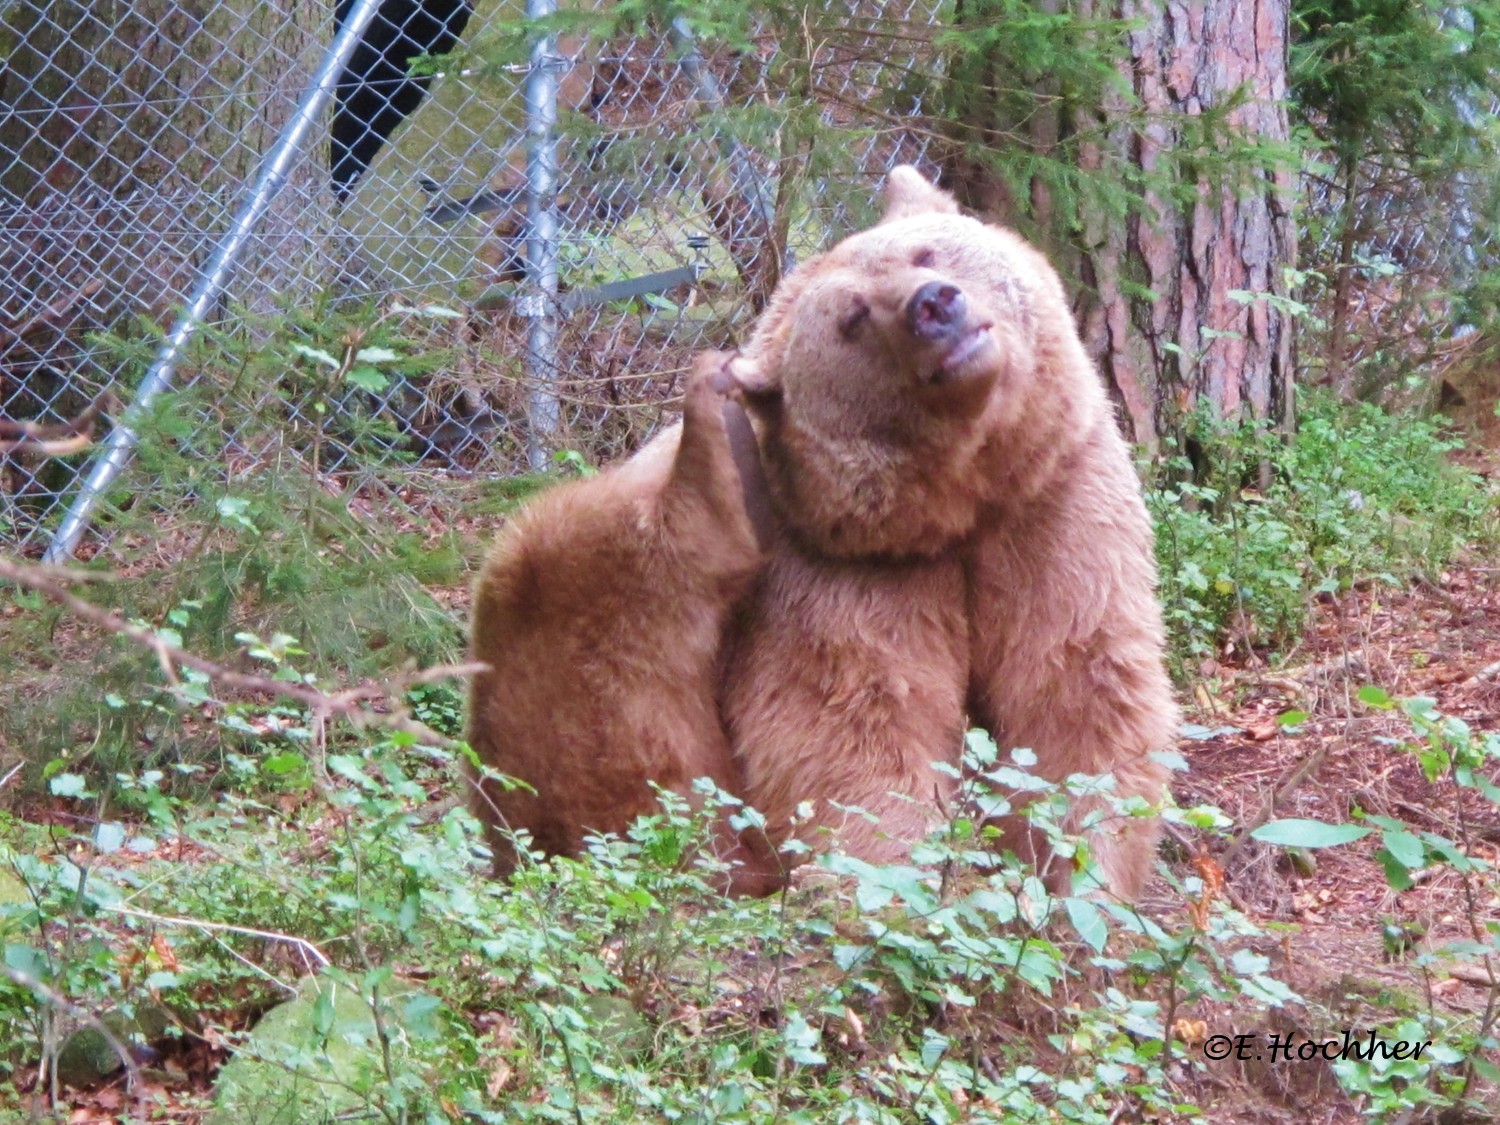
[(109, 838), (419, 1015), (350, 768), (1397, 874), (376, 355), (437, 312), (802, 1041), (934, 1047), (1405, 848), (234, 509), (1372, 696), (1203, 734), (1088, 921), (25, 959), (368, 379), (1172, 759), (847, 956), (316, 354), (68, 785), (323, 1009), (1296, 832)]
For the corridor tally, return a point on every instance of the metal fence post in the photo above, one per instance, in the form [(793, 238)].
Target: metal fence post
[(539, 303), (214, 278)]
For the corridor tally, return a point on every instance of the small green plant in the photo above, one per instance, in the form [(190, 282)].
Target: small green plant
[(616, 987), (1356, 495), (1457, 1060)]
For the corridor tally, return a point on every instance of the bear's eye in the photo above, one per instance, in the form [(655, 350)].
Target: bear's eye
[(856, 315), (923, 258)]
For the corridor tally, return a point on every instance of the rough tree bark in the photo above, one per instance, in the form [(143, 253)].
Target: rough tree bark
[(1154, 303), (1237, 237)]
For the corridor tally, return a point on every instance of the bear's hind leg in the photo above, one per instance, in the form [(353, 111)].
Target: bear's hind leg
[(601, 613)]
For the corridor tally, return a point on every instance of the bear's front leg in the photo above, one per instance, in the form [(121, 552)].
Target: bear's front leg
[(1068, 650), (600, 612)]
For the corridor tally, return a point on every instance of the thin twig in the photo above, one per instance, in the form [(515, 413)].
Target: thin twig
[(47, 581), (63, 1004), (303, 944)]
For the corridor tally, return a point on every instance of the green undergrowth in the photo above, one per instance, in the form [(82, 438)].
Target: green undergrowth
[(360, 600), (1255, 527), (622, 987), (618, 988), (236, 534)]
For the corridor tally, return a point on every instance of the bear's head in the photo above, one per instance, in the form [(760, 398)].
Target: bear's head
[(900, 377)]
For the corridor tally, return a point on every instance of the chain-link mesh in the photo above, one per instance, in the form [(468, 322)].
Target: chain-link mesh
[(1408, 248), (378, 331)]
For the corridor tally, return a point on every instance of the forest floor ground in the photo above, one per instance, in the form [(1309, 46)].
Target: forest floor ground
[(1332, 910), (1440, 640)]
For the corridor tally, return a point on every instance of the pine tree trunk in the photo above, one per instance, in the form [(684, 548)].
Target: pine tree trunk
[(1212, 325), (1154, 301)]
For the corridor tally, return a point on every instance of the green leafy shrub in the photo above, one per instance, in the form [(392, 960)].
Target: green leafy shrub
[(618, 987), (1457, 1072), (1358, 494)]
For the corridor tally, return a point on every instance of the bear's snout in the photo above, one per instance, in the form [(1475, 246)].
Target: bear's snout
[(938, 312)]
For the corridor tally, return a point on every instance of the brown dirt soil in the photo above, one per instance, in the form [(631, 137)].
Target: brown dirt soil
[(1438, 640)]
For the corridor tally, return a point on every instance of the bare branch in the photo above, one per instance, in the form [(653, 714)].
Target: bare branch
[(350, 702), (55, 439), (51, 996), (308, 948)]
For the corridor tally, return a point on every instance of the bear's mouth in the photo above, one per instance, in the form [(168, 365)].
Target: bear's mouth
[(970, 356)]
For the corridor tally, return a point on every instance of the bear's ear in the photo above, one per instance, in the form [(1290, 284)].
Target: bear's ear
[(908, 192)]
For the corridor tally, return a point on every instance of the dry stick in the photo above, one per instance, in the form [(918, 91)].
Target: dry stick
[(307, 947), (47, 581), (1296, 777), (55, 439)]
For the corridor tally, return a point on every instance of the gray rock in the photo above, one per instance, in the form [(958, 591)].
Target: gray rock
[(292, 1072), (87, 1055)]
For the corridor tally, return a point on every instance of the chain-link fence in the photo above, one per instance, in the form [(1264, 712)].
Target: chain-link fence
[(447, 278), (1412, 249)]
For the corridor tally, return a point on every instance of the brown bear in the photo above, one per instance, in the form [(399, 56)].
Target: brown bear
[(930, 423), (958, 528), (601, 612), (845, 685)]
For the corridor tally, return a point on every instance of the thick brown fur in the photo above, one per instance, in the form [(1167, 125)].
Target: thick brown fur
[(844, 686), (960, 529), (601, 611), (1010, 469)]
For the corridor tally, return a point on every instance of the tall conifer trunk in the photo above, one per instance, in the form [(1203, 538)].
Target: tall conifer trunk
[(1185, 300)]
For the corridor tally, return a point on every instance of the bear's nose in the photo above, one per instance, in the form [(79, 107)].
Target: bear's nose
[(936, 311)]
